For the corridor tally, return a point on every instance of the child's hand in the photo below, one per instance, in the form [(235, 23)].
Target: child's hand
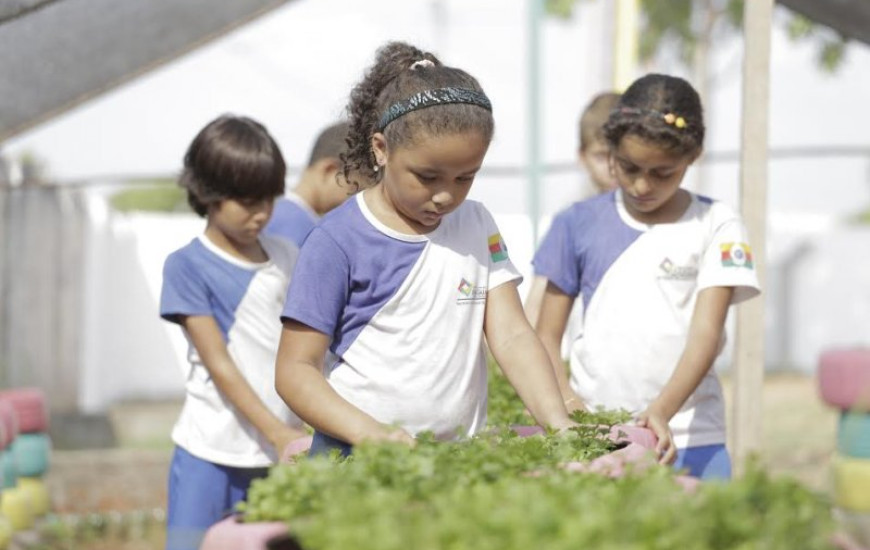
[(391, 433), (573, 402), (281, 440), (655, 421)]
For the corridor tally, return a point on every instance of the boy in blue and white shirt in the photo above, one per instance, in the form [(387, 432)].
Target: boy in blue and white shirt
[(226, 289)]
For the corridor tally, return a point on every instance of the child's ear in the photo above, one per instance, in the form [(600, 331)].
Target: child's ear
[(379, 148)]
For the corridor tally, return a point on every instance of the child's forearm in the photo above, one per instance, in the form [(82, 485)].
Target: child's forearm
[(554, 352), (309, 395), (209, 343), (527, 366), (702, 346), (238, 391)]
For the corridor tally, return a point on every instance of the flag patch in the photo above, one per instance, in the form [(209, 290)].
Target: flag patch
[(736, 255), (497, 249)]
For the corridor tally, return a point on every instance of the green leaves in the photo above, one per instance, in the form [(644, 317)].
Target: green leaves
[(501, 491)]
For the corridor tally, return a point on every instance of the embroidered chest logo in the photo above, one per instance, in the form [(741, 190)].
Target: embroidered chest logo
[(469, 293), (736, 255), (669, 270), (497, 249)]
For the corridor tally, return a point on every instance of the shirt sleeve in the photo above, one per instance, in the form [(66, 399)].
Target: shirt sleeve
[(729, 261), (555, 258), (319, 287), (501, 268), (184, 291)]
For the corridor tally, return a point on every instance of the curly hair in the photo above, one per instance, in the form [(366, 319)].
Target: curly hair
[(646, 108), (232, 157), (391, 79)]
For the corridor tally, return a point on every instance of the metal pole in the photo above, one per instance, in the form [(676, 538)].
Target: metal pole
[(749, 352), (534, 115)]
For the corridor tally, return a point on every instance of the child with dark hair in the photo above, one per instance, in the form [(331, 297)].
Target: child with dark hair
[(225, 289), (657, 268), (403, 281), (320, 189)]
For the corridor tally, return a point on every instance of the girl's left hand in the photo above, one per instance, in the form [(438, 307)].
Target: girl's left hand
[(282, 438), (655, 421)]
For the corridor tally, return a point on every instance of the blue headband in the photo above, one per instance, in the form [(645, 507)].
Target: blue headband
[(429, 98)]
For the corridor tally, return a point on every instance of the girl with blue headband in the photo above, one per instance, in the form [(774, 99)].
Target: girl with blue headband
[(404, 280)]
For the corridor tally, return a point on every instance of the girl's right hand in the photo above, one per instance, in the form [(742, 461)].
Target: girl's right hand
[(573, 402)]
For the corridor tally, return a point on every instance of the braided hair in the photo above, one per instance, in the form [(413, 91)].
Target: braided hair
[(665, 110)]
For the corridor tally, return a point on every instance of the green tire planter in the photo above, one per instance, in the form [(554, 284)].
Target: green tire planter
[(853, 434), (8, 472), (32, 452)]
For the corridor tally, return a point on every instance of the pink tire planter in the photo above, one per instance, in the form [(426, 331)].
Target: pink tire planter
[(844, 378), (231, 534), (8, 423)]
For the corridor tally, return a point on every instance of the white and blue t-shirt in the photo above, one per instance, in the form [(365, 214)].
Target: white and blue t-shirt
[(405, 313), (639, 284), (292, 218), (245, 300)]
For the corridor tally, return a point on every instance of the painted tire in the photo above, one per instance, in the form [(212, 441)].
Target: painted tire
[(9, 471), (844, 378), (32, 454), (230, 534), (852, 483), (5, 532), (30, 407), (15, 505), (8, 423), (853, 434), (37, 493)]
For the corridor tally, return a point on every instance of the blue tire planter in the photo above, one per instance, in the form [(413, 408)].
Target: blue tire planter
[(32, 452), (853, 434), (7, 467)]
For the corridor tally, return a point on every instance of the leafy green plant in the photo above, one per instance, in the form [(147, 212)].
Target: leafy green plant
[(501, 491)]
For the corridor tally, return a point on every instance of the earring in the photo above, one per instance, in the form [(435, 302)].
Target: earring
[(376, 167)]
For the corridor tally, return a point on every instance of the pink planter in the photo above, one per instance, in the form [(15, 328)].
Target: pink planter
[(230, 534), (8, 423), (844, 378), (30, 408)]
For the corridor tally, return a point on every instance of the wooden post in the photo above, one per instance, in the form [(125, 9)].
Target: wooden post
[(625, 44), (748, 370)]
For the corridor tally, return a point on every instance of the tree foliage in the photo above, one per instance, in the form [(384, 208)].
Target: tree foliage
[(686, 23)]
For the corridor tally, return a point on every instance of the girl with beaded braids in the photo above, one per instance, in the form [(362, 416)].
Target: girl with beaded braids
[(403, 281), (657, 268)]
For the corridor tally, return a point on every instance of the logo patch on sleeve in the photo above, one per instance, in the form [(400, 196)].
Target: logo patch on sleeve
[(497, 249), (736, 255)]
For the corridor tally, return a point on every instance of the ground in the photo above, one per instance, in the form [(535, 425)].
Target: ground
[(799, 440)]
